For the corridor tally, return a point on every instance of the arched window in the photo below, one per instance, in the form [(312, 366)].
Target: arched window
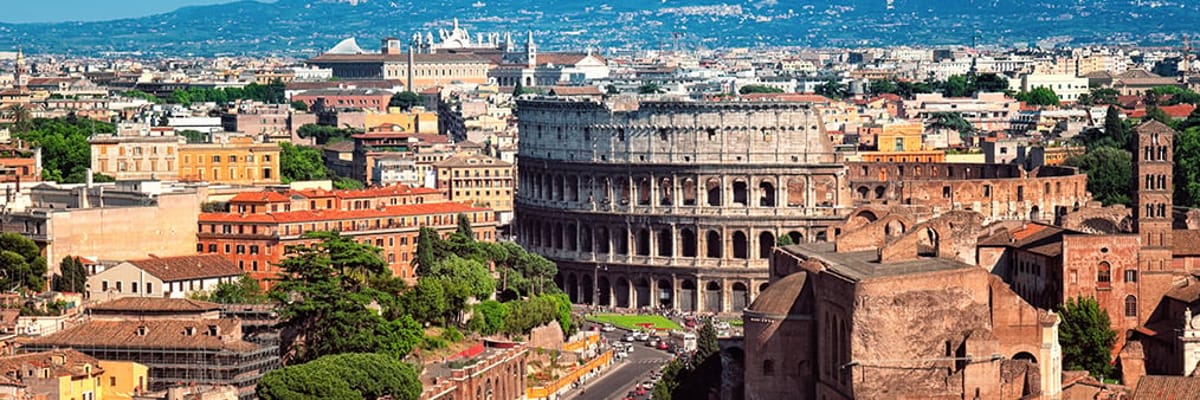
[(1103, 274), (1130, 306)]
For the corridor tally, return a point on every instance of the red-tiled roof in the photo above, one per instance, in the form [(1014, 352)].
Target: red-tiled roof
[(259, 197), (65, 362), (799, 97), (188, 267), (155, 304), (1167, 387), (394, 190), (1186, 242), (336, 215), (154, 334)]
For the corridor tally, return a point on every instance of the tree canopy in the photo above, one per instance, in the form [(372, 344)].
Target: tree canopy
[(22, 263), (832, 88), (1109, 171), (405, 100), (73, 278), (272, 93), (325, 134), (1086, 336), (748, 89), (1039, 96), (245, 290), (343, 376), (301, 163), (329, 293), (1187, 167), (66, 154)]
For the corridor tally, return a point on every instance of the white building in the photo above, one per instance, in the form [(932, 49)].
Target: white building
[(173, 277), (1067, 87)]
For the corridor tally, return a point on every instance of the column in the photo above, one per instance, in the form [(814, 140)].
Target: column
[(674, 291)]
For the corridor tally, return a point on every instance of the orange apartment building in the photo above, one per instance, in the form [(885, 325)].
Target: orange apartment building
[(236, 160), (260, 226)]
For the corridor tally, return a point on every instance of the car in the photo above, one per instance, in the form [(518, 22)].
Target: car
[(630, 338), (652, 343), (640, 390), (608, 328), (663, 346)]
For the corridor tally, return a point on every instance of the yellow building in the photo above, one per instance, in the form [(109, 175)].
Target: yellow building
[(478, 180), (123, 379), (136, 152), (416, 121), (236, 160), (70, 375), (898, 137), (926, 156)]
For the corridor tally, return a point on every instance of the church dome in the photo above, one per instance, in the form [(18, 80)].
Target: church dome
[(348, 46)]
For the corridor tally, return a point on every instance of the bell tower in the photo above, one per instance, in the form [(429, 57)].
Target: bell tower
[(1153, 169), (20, 79)]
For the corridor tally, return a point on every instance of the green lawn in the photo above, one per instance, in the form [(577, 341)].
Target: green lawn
[(632, 322)]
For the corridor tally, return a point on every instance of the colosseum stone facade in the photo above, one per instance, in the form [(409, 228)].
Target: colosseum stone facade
[(672, 204)]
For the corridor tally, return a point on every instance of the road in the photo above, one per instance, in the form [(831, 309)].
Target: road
[(621, 378)]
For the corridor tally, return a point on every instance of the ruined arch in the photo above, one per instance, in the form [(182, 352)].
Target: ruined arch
[(688, 242), (621, 292), (642, 245), (713, 300), (712, 190), (605, 291), (587, 287), (689, 192), (766, 189), (741, 245), (666, 240), (712, 244), (643, 191), (641, 291), (687, 295), (741, 192), (795, 192), (603, 244), (666, 299), (666, 192), (796, 236), (739, 297), (928, 241), (766, 244), (572, 288)]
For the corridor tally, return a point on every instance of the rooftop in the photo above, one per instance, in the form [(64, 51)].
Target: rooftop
[(155, 304), (862, 265), (65, 362), (330, 215), (188, 267), (150, 334)]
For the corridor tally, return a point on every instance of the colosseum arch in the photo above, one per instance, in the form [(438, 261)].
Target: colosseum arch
[(796, 236), (689, 191), (572, 237), (643, 242), (666, 295), (605, 291), (741, 245), (894, 227), (665, 243), (559, 187), (712, 297), (712, 191), (622, 241), (864, 193), (572, 288), (665, 192), (557, 236), (643, 191), (642, 293), (623, 188), (605, 190), (585, 240), (603, 245), (687, 242), (795, 192), (766, 189), (766, 242), (587, 288), (712, 244), (687, 295), (573, 188), (927, 242), (741, 192), (880, 192), (621, 292), (739, 297), (859, 219)]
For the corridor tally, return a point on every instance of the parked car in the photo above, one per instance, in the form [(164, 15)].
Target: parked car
[(653, 342), (608, 328), (663, 346), (630, 337)]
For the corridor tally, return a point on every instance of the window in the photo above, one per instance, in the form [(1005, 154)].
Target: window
[(216, 159), (212, 248), (1103, 275), (1130, 275), (118, 286), (945, 192), (133, 287), (104, 286), (199, 247), (1130, 306), (254, 249), (112, 381), (149, 288)]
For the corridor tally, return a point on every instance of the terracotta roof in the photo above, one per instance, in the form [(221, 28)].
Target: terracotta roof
[(785, 297), (798, 97), (8, 318), (1186, 242), (468, 160), (155, 304), (1187, 294), (575, 91), (65, 362), (1167, 387), (188, 267), (333, 215), (259, 197), (157, 334), (394, 190)]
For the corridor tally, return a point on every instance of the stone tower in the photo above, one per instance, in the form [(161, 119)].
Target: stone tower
[(530, 51), (1153, 171), (20, 78)]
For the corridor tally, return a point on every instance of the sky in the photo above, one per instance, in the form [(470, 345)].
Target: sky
[(90, 10)]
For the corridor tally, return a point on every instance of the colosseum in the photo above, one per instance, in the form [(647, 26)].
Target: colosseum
[(678, 204), (671, 204)]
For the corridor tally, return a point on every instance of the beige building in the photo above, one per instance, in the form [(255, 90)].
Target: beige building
[(136, 152), (174, 277), (478, 180), (232, 160)]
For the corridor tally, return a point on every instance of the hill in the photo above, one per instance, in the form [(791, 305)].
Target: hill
[(305, 27)]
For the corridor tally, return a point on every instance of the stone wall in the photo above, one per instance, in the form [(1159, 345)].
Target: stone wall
[(549, 336)]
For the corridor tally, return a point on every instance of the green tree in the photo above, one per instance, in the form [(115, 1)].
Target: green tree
[(882, 86), (344, 183), (832, 88), (989, 82), (73, 277), (425, 302), (492, 315), (1109, 171), (405, 100), (22, 263), (1154, 113), (194, 136), (748, 89), (343, 376), (300, 106), (20, 116), (427, 254), (464, 227), (324, 134), (954, 121), (245, 290), (706, 342), (668, 382), (66, 154), (649, 88), (1105, 96), (301, 163), (329, 307), (1039, 96), (1086, 336), (1187, 167), (957, 86)]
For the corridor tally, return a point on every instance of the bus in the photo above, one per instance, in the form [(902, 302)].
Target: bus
[(684, 341)]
